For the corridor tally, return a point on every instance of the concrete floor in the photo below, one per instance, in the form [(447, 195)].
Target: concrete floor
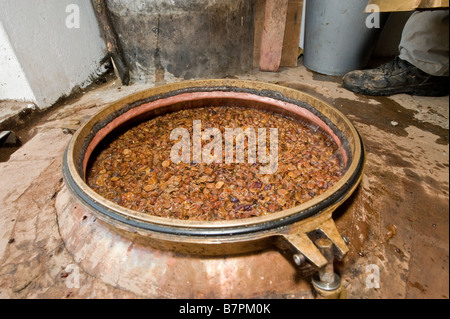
[(397, 221)]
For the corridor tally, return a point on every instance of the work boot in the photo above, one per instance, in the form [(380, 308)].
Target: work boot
[(395, 77)]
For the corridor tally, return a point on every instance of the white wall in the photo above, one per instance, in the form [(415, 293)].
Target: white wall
[(52, 58), (13, 82)]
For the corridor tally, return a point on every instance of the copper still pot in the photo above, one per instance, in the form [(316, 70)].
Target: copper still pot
[(281, 244)]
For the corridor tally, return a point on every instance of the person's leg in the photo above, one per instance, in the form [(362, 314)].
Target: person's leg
[(421, 68), (424, 42)]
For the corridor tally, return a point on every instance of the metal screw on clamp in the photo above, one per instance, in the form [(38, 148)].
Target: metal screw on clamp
[(299, 259), (326, 279)]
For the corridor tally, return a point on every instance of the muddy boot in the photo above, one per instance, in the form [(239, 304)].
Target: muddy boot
[(395, 77)]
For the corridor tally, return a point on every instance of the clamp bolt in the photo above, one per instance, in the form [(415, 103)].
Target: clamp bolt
[(299, 259)]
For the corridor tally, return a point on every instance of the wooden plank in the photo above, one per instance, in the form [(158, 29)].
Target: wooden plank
[(112, 42), (273, 35), (289, 56), (259, 25), (409, 5)]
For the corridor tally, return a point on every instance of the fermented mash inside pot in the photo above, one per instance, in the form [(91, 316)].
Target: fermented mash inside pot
[(136, 169)]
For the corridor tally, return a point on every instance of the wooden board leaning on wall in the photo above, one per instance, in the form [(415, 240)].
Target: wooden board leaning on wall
[(410, 5)]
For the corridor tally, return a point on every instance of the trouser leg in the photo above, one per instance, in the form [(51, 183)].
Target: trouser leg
[(425, 42)]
